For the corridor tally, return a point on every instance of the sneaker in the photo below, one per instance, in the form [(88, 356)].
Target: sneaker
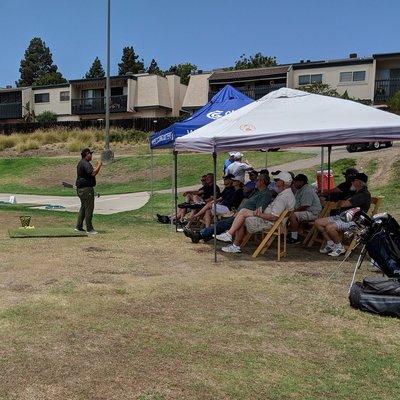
[(326, 250), (232, 248), (193, 235), (224, 237), (291, 240), (180, 226), (93, 232), (79, 230), (339, 250)]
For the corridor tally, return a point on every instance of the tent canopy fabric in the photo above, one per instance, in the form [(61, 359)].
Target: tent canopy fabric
[(293, 118), (224, 102)]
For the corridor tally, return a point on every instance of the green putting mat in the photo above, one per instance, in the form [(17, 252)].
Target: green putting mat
[(44, 232)]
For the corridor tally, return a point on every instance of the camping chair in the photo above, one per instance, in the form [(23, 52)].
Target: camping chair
[(268, 237), (312, 235), (373, 209)]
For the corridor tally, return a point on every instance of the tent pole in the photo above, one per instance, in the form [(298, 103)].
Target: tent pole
[(172, 192), (215, 204), (329, 171), (266, 159), (152, 173), (176, 185), (322, 169)]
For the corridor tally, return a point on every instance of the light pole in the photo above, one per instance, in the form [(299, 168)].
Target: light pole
[(107, 155)]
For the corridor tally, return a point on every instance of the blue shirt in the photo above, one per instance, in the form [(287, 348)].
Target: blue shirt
[(227, 163)]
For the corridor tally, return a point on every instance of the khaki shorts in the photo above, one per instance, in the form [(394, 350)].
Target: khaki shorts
[(257, 224), (305, 216)]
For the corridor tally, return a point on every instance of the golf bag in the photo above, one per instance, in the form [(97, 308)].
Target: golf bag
[(377, 295)]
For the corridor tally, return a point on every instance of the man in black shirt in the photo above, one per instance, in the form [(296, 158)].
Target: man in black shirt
[(85, 182), (342, 190)]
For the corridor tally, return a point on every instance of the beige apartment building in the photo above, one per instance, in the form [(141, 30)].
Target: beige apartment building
[(132, 96), (374, 79)]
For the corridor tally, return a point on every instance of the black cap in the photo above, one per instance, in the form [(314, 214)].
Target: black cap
[(361, 177), (301, 177), (253, 171), (229, 176), (276, 172), (86, 151), (350, 172), (265, 178)]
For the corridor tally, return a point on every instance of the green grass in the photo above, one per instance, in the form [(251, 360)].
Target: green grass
[(128, 174)]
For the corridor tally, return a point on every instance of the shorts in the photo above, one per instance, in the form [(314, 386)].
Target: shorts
[(257, 224), (342, 226), (305, 216), (221, 209)]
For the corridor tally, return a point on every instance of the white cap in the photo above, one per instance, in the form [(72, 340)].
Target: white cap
[(239, 178), (232, 153), (284, 176), (238, 156)]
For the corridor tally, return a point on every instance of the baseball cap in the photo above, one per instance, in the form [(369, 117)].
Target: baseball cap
[(228, 176), (232, 153), (361, 176), (276, 172), (301, 177), (284, 176), (350, 172), (86, 151), (238, 156), (238, 178)]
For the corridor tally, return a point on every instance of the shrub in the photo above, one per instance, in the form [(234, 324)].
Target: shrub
[(76, 145), (394, 103), (26, 145), (6, 142), (46, 117)]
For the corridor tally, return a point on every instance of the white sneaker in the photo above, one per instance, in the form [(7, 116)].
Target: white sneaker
[(92, 232), (224, 237), (327, 249), (232, 248), (337, 251)]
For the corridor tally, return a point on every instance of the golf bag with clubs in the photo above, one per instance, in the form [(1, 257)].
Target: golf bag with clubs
[(380, 239)]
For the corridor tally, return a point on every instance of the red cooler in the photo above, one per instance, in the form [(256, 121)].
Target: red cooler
[(327, 179)]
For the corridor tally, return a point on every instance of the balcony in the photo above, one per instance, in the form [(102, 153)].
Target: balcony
[(386, 88), (254, 93), (10, 110), (97, 105)]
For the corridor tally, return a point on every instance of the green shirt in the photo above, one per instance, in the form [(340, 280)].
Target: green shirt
[(307, 197), (259, 199)]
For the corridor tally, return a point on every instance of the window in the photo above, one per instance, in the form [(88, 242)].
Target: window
[(356, 76), (307, 79), (42, 98), (64, 96), (117, 91)]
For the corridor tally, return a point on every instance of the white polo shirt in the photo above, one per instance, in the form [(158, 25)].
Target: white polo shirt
[(285, 200)]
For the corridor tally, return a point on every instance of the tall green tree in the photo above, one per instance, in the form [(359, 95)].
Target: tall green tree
[(256, 61), (130, 62), (96, 70), (154, 68), (37, 66), (183, 70)]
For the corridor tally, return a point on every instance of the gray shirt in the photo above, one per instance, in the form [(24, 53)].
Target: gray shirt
[(307, 197)]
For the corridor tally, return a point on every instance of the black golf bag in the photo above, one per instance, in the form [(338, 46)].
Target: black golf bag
[(381, 238)]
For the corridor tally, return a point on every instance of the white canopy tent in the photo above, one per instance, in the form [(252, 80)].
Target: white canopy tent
[(292, 118)]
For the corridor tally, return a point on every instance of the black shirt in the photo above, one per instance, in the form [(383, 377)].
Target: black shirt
[(84, 172), (208, 191), (344, 187), (361, 199)]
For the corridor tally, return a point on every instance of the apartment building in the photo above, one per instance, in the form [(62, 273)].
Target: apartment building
[(132, 96), (375, 78)]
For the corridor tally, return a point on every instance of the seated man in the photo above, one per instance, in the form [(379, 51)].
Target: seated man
[(250, 186), (341, 191), (260, 199), (259, 220), (331, 226), (306, 209)]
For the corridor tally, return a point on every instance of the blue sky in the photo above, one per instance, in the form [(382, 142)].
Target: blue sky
[(208, 33)]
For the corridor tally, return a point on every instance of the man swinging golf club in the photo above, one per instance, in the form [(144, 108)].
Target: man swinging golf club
[(85, 182)]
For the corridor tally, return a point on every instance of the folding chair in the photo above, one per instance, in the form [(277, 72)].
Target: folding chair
[(312, 235), (373, 209), (268, 237)]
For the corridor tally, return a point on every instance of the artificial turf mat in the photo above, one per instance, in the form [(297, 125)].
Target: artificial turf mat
[(44, 232)]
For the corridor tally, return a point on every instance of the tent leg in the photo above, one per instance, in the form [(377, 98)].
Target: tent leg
[(329, 171), (172, 192), (215, 205), (152, 173), (176, 186), (322, 169), (266, 159)]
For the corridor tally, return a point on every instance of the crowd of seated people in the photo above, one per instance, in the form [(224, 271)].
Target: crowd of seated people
[(254, 206)]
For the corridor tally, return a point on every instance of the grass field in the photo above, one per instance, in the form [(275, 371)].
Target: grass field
[(43, 175), (139, 312)]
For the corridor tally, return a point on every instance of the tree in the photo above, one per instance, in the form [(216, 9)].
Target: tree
[(37, 64), (183, 70), (319, 88), (256, 61), (46, 117), (96, 70), (130, 62), (154, 68)]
